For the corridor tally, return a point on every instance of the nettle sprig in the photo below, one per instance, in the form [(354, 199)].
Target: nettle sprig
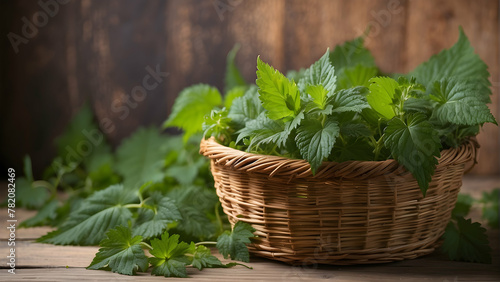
[(343, 108)]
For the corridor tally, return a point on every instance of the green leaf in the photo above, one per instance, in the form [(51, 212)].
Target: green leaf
[(459, 62), (203, 258), (246, 108), (279, 96), (169, 256), (202, 197), (140, 157), (44, 216), (319, 95), (155, 215), (191, 107), (356, 76), (458, 103), (195, 223), (349, 100), (101, 156), (30, 195), (120, 252), (296, 75), (491, 212), (315, 140), (234, 243), (462, 206), (233, 94), (233, 77), (380, 98), (351, 54), (466, 241), (100, 212), (415, 144), (217, 124), (103, 177), (262, 130), (80, 126), (320, 73), (352, 150)]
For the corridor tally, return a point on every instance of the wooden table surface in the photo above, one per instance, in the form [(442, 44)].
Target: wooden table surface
[(42, 262)]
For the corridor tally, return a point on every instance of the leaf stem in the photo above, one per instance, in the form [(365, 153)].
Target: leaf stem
[(144, 244), (133, 206), (206, 243)]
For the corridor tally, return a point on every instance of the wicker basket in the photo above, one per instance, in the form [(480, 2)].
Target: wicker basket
[(353, 212)]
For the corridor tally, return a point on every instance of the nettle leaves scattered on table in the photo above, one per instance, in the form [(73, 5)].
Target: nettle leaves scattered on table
[(344, 108), (154, 192)]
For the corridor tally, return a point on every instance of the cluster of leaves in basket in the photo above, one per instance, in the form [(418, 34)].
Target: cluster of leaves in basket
[(343, 108), (153, 185)]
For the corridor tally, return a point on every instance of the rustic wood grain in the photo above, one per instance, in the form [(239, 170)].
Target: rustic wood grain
[(312, 27), (432, 27), (22, 233)]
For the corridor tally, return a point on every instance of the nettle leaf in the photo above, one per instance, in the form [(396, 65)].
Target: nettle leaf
[(353, 128), (352, 150), (74, 134), (319, 95), (261, 130), (315, 140), (356, 76), (458, 103), (203, 258), (191, 107), (195, 223), (234, 243), (295, 75), (120, 252), (155, 215), (279, 96), (459, 62), (380, 98), (30, 195), (351, 54), (140, 157), (232, 94), (415, 144), (466, 241), (45, 215), (320, 73), (169, 256), (100, 212), (349, 100), (233, 77), (491, 212), (247, 107)]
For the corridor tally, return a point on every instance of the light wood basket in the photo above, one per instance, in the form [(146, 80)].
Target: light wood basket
[(355, 212)]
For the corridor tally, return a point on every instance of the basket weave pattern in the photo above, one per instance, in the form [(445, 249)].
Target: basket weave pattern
[(347, 213)]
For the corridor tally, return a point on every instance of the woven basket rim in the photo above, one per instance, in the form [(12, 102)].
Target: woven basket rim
[(299, 168)]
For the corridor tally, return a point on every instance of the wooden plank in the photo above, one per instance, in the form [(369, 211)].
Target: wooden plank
[(433, 267), (30, 255), (21, 233), (432, 27), (312, 27)]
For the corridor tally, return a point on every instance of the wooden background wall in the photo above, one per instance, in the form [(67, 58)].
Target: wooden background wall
[(98, 51)]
